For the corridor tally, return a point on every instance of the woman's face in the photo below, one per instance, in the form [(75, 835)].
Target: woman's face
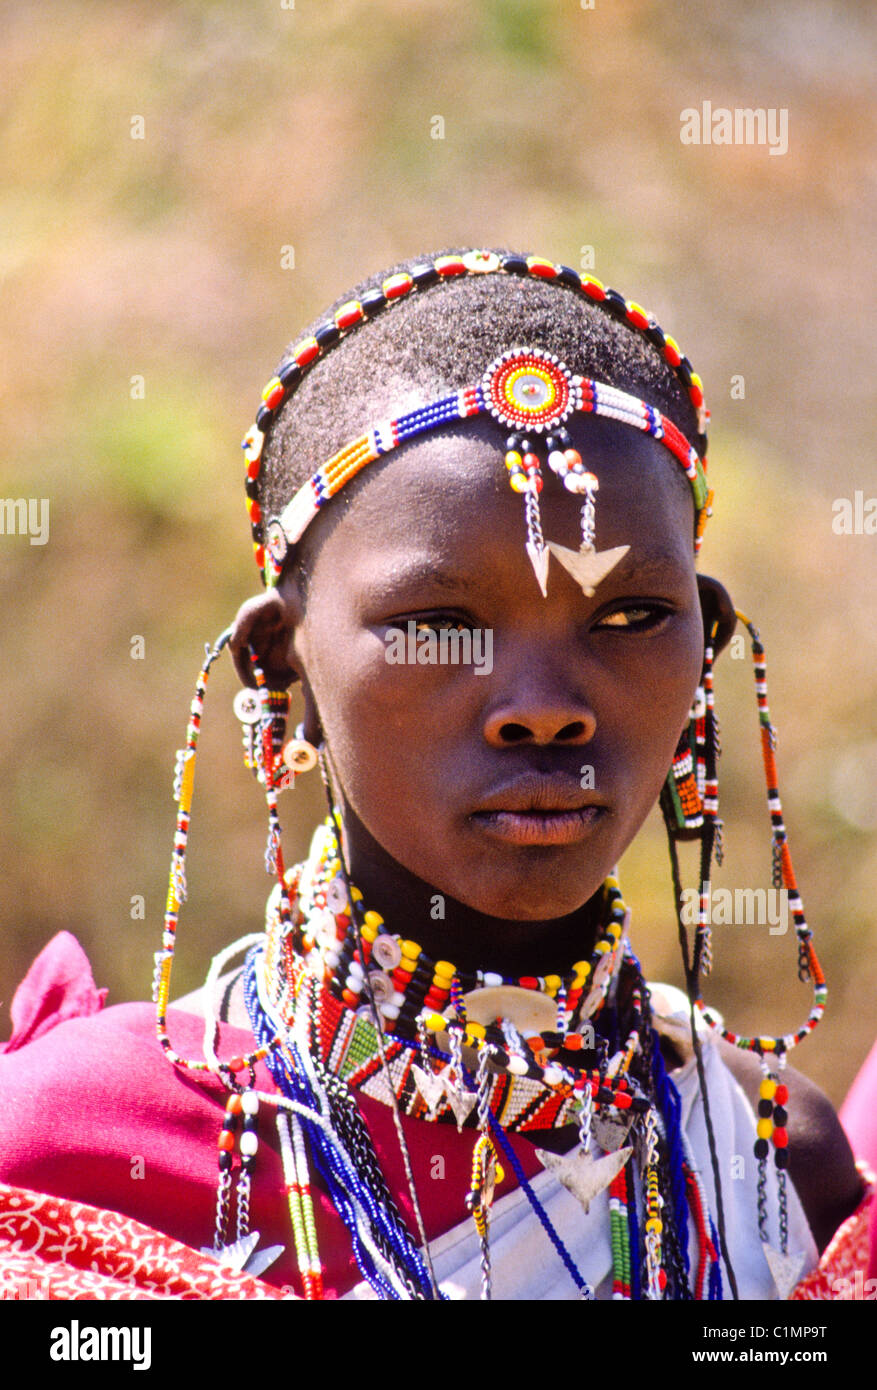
[(513, 790)]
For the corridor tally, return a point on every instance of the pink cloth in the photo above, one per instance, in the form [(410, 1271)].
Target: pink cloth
[(858, 1115), (58, 986), (94, 1113)]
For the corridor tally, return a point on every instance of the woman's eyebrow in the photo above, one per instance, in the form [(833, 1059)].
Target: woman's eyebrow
[(419, 572), (656, 566), (420, 575)]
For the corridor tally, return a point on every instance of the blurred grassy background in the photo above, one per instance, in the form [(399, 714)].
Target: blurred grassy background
[(310, 127)]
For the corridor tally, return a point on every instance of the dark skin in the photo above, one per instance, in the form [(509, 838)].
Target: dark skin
[(440, 772)]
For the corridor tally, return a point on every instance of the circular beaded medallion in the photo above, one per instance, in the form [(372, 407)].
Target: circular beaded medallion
[(275, 542), (530, 390)]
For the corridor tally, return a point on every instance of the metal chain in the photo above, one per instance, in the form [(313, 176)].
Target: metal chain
[(223, 1196), (243, 1211), (585, 1117), (589, 519), (762, 1200), (784, 1210)]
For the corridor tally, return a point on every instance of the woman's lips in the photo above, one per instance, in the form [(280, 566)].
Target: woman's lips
[(532, 827)]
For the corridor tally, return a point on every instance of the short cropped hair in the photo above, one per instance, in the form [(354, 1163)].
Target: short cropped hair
[(439, 339)]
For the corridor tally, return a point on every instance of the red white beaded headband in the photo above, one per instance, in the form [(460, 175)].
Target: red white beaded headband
[(527, 390)]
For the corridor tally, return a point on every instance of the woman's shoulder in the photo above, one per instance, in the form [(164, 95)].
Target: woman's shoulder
[(821, 1162), (93, 1110)]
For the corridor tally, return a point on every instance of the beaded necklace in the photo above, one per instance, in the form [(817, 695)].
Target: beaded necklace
[(408, 987), (295, 993), (539, 1079)]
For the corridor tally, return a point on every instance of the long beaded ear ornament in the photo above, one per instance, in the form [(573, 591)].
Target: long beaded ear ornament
[(319, 1115), (690, 803), (690, 796)]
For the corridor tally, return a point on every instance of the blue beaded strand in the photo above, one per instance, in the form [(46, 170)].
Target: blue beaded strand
[(333, 1165), (581, 1284), (670, 1106)]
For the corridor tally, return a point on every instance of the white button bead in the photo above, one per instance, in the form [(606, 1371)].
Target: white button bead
[(386, 951), (336, 896)]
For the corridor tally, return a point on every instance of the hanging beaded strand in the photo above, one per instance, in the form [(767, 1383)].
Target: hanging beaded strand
[(772, 1051), (808, 961), (486, 1173), (184, 781), (708, 791), (296, 1176), (619, 1235)]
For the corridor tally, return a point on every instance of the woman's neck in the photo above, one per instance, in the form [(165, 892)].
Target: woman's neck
[(447, 929)]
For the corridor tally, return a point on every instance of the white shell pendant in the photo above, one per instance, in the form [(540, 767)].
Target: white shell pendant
[(581, 1173), (588, 567)]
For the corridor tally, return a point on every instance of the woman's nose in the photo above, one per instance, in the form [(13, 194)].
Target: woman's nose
[(540, 719)]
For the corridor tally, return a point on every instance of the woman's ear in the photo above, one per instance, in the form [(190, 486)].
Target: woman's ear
[(718, 611), (266, 623)]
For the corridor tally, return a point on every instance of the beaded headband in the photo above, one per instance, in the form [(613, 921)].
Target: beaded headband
[(525, 389)]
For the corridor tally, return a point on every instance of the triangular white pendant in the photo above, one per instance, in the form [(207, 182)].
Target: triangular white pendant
[(539, 558), (785, 1269), (243, 1257), (430, 1085), (434, 1085), (588, 567), (611, 1134), (460, 1101), (581, 1173)]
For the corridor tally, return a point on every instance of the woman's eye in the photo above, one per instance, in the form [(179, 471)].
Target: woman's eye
[(441, 623), (634, 618)]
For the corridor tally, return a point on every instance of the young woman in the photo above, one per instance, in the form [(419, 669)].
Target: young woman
[(477, 488)]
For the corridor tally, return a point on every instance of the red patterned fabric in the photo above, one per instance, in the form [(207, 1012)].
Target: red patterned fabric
[(50, 1248), (842, 1270)]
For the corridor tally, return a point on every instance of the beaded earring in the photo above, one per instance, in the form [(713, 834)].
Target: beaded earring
[(690, 796), (274, 759), (328, 1116)]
